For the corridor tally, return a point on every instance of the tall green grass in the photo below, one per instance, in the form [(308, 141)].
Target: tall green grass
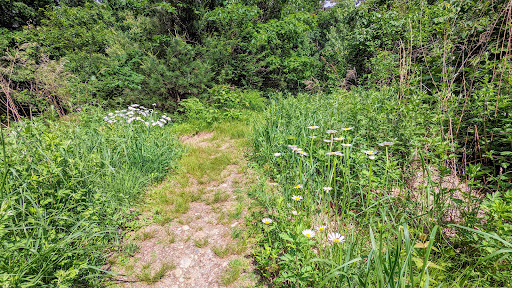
[(66, 192), (393, 231)]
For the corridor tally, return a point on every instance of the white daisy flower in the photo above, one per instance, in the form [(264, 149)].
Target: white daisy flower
[(297, 197), (293, 147), (335, 237), (386, 144), (331, 131), (320, 228), (277, 154), (294, 212), (266, 220), (298, 186), (313, 127), (327, 189), (308, 233)]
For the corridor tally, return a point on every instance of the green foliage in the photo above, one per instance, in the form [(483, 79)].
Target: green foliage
[(377, 205), (222, 102), (66, 192), (499, 217), (15, 14), (179, 74)]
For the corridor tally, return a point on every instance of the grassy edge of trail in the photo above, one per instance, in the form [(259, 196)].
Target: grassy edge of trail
[(67, 190)]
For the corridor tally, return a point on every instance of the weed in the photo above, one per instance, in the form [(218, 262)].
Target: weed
[(147, 276), (233, 271), (219, 196), (146, 235), (200, 243)]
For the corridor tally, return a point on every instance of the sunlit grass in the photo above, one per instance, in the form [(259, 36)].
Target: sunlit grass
[(338, 161), (70, 191)]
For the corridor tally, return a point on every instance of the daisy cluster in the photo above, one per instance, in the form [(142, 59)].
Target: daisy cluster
[(136, 112), (333, 237), (300, 151)]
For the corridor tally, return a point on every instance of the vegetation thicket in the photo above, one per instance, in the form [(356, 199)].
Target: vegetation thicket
[(408, 97)]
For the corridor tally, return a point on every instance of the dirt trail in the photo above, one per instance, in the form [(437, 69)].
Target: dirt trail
[(204, 243)]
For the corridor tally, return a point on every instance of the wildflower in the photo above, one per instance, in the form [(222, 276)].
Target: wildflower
[(297, 197), (154, 104), (369, 152), (273, 184), (346, 129), (386, 144), (146, 123), (327, 141), (302, 153), (277, 154), (266, 220), (320, 228), (338, 139), (329, 153), (327, 189), (331, 131), (313, 127), (371, 157), (308, 233), (338, 153), (346, 145), (312, 137), (336, 237), (293, 147), (298, 186), (135, 105), (297, 150), (294, 212)]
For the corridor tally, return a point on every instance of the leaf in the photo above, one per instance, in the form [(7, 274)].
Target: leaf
[(421, 245), (419, 263), (286, 237)]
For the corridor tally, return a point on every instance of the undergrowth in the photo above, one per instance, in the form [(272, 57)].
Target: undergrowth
[(342, 210), (67, 187)]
